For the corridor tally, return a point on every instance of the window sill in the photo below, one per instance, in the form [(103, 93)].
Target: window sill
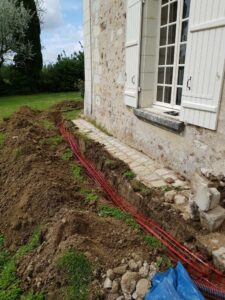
[(158, 117)]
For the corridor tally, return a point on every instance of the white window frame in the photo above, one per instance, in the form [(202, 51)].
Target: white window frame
[(172, 105)]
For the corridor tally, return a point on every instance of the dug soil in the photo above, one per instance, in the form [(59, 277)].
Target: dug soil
[(37, 187)]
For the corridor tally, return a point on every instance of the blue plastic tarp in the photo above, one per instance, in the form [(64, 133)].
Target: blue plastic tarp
[(175, 284)]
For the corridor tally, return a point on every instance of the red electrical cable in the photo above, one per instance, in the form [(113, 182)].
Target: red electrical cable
[(201, 271)]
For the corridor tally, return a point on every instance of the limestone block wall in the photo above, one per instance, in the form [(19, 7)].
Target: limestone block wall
[(193, 149)]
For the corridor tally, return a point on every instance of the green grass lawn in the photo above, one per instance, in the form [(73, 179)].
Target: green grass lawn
[(10, 104)]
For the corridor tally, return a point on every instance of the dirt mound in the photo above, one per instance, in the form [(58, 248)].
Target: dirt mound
[(38, 187), (35, 182), (70, 229)]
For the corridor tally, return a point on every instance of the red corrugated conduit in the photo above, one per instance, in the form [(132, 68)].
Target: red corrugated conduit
[(210, 280)]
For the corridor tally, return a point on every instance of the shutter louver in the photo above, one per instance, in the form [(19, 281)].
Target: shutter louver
[(133, 46), (204, 69)]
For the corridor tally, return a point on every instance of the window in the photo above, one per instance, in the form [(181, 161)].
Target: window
[(172, 51)]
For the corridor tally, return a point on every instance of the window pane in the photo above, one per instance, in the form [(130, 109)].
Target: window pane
[(163, 33), (164, 1), (184, 32), (186, 9), (182, 54), (179, 95), (162, 56), (170, 55), (172, 34), (173, 12), (180, 76), (164, 15), (161, 75), (167, 95), (169, 75), (159, 93)]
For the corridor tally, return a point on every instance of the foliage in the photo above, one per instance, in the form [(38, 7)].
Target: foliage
[(30, 69), (89, 196), (109, 211), (67, 154), (33, 243), (78, 272), (2, 139), (100, 127), (14, 22), (47, 124), (164, 261), (55, 140), (65, 75), (9, 283), (72, 114), (76, 171), (129, 175), (33, 296), (152, 241)]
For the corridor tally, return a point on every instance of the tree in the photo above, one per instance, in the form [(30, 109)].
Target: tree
[(32, 66), (14, 22)]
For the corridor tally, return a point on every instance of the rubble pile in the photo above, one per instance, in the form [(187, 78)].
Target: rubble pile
[(130, 280)]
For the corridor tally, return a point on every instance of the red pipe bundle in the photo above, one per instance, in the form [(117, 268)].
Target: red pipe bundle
[(202, 272)]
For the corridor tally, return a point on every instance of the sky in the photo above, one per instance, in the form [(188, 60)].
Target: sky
[(62, 28)]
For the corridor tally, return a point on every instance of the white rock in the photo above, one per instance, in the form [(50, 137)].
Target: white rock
[(219, 258), (206, 198), (120, 270), (115, 287), (179, 199), (134, 296), (169, 196), (110, 274), (139, 264), (133, 265), (107, 284), (128, 284), (206, 172), (213, 219), (142, 287), (143, 272)]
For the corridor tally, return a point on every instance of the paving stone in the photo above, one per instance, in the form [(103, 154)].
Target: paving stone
[(147, 169), (139, 169), (162, 172), (158, 183), (179, 183), (213, 219), (153, 177)]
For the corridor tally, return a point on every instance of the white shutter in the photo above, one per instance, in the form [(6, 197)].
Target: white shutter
[(133, 46), (204, 70)]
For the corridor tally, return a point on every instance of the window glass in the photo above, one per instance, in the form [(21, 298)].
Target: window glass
[(180, 76), (160, 93), (162, 56), (170, 55), (164, 1), (184, 31), (161, 72), (164, 15), (169, 75), (182, 54), (173, 12), (186, 9), (167, 96), (172, 34), (163, 34), (179, 95)]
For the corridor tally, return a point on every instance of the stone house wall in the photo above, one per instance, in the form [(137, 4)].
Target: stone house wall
[(195, 148)]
